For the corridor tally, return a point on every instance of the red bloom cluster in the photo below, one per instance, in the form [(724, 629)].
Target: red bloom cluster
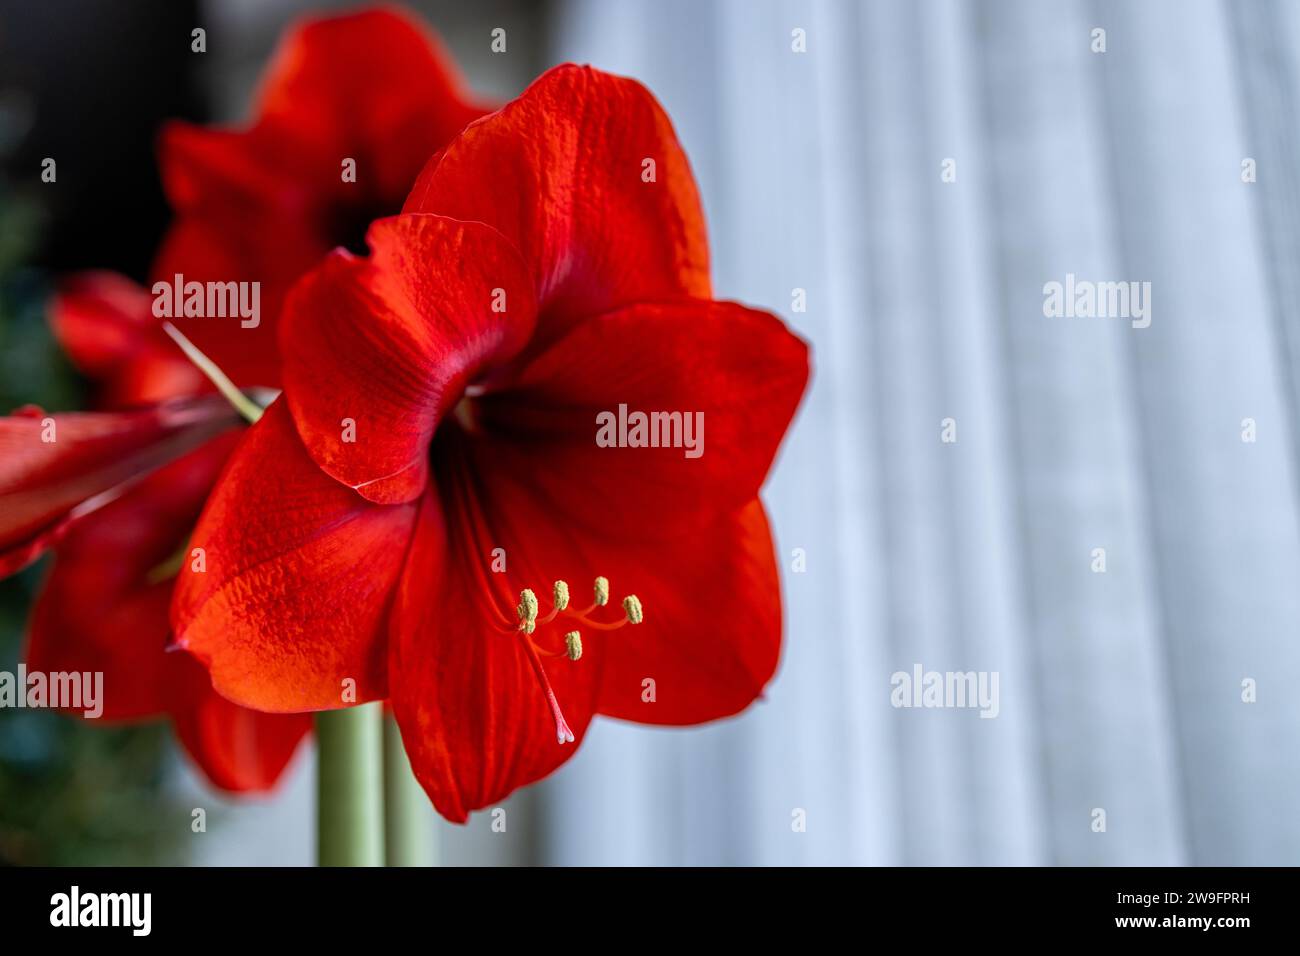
[(116, 492), (425, 515)]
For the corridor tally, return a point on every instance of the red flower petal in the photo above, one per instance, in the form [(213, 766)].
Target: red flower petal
[(264, 204), (558, 171), (474, 716), (712, 630), (389, 343), (104, 604), (104, 608), (45, 485), (240, 750), (738, 368), (101, 319), (105, 323), (245, 242), (299, 572), (87, 618), (375, 79)]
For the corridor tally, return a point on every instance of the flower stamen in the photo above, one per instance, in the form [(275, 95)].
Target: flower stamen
[(632, 607), (560, 598), (527, 611), (528, 622), (601, 591)]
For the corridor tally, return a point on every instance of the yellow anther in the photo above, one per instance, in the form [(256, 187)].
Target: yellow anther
[(573, 645), (561, 595), (632, 605), (602, 591), (527, 610)]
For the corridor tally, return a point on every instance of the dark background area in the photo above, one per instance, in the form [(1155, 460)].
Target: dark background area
[(87, 84)]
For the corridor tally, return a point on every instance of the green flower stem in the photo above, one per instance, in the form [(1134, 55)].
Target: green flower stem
[(408, 820), (349, 805)]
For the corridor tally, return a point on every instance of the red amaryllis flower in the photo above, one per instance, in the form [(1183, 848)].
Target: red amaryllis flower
[(55, 469), (349, 111), (266, 203), (434, 463), (117, 493), (103, 608)]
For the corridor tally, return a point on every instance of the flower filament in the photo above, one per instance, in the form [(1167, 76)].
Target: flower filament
[(526, 613)]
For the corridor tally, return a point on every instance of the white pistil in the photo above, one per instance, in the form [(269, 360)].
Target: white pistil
[(243, 404)]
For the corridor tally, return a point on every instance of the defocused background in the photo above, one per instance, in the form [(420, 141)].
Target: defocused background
[(824, 171)]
